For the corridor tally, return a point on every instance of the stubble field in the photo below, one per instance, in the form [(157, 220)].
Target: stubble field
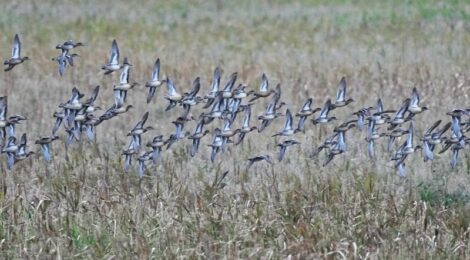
[(83, 204)]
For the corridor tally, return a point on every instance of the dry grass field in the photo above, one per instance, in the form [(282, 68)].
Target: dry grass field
[(83, 204)]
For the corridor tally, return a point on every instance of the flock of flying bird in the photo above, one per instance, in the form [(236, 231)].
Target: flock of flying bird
[(76, 116)]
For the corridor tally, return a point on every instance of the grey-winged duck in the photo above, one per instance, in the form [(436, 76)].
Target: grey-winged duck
[(341, 99), (288, 130), (414, 107), (154, 81), (196, 137), (15, 55), (283, 147), (246, 128), (172, 95), (68, 45), (214, 88), (22, 152), (263, 90), (45, 143), (227, 91), (305, 112), (124, 83), (113, 61), (323, 118), (399, 117), (156, 144), (259, 158), (216, 143)]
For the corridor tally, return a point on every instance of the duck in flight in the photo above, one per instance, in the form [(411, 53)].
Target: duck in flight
[(15, 55), (154, 81), (113, 62)]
